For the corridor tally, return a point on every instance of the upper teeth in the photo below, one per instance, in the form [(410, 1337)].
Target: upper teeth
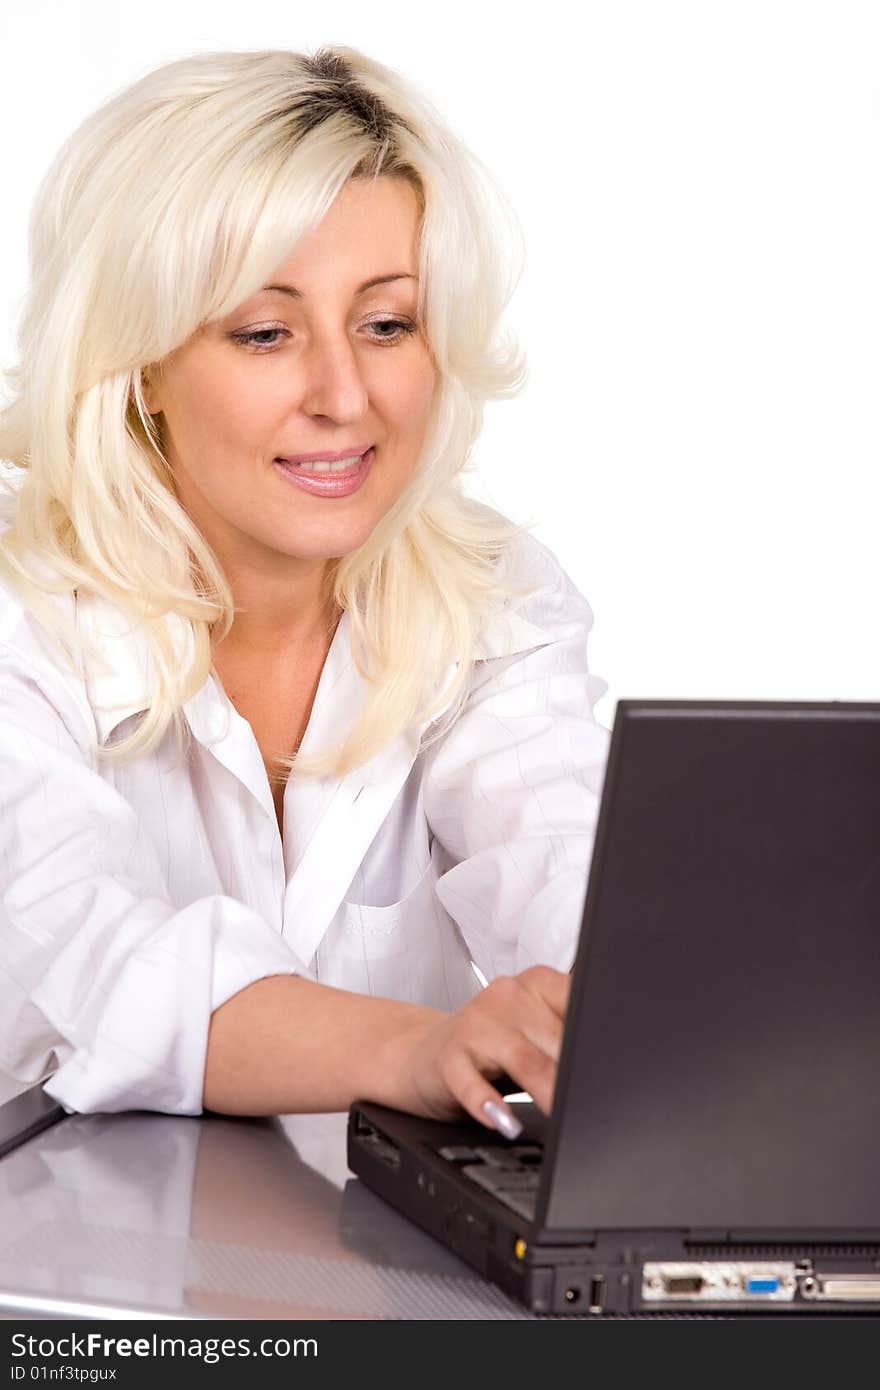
[(325, 466)]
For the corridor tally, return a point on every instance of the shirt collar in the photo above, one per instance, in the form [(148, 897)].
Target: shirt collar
[(123, 688)]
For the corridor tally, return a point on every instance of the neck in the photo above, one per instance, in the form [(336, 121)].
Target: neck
[(271, 619)]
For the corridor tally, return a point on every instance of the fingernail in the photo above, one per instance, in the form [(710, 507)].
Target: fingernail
[(502, 1119)]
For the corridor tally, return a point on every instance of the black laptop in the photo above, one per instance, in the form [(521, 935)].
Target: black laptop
[(714, 1146)]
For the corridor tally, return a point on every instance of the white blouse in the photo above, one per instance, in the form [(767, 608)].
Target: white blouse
[(135, 900)]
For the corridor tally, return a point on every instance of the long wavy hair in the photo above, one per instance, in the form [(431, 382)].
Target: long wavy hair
[(167, 208)]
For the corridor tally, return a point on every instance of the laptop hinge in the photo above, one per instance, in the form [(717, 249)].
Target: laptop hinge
[(545, 1235)]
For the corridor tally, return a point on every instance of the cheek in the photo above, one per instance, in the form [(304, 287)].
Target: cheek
[(230, 408), (197, 415), (414, 396), (220, 407)]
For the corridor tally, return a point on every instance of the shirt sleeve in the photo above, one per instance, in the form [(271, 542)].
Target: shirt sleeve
[(101, 975), (512, 791)]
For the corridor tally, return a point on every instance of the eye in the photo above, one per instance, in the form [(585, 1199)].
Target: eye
[(258, 338), (401, 328)]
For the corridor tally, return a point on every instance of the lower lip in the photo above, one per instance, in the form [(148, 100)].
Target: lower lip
[(328, 484)]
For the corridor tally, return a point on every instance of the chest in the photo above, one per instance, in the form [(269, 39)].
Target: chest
[(359, 907), (277, 703), (279, 731)]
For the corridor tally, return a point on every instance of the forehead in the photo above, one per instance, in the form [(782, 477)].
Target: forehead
[(371, 229)]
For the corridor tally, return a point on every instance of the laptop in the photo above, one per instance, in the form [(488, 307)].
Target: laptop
[(716, 1122)]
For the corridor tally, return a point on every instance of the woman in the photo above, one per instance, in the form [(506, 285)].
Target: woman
[(261, 329)]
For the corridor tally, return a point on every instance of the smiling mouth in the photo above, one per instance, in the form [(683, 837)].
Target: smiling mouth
[(333, 479), (333, 464)]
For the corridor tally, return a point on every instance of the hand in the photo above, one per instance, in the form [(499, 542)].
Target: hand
[(512, 1026)]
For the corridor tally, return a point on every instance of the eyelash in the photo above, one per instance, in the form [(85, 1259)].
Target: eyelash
[(246, 337)]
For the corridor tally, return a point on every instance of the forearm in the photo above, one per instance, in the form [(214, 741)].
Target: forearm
[(286, 1045)]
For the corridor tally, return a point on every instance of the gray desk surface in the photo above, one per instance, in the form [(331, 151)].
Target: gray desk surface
[(165, 1216)]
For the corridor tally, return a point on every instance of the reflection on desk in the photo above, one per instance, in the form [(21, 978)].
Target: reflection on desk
[(170, 1216)]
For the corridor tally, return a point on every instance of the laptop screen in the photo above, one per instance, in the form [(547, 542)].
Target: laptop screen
[(719, 1069)]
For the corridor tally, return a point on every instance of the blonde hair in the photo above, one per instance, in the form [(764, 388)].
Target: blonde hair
[(168, 207)]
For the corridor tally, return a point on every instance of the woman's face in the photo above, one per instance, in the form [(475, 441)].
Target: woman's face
[(318, 363)]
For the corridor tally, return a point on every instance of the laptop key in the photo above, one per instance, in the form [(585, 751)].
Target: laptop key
[(501, 1180), (459, 1153), (520, 1199), (510, 1156)]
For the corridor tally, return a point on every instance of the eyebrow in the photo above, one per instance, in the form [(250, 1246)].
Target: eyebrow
[(367, 285)]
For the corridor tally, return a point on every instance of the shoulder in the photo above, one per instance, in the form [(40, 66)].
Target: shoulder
[(30, 658), (21, 631), (535, 638), (552, 592), (549, 607)]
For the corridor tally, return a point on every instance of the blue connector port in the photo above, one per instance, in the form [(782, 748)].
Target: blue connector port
[(757, 1284)]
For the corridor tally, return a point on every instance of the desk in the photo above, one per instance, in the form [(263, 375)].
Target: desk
[(168, 1216)]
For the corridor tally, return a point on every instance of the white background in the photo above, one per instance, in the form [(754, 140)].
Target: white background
[(697, 185)]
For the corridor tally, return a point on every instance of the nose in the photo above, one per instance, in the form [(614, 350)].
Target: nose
[(333, 383)]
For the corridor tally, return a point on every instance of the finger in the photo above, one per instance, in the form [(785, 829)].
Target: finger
[(496, 1046), (531, 1066), (542, 1026), (479, 1097), (510, 1000), (551, 986)]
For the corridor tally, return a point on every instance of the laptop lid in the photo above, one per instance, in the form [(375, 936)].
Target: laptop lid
[(719, 1070)]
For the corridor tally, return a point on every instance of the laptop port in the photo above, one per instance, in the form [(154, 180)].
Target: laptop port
[(378, 1144), (761, 1283), (712, 1281), (677, 1284), (593, 1294), (853, 1287)]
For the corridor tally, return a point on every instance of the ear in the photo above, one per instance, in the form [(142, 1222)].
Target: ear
[(150, 390)]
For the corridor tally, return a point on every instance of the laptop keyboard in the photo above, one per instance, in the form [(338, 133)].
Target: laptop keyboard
[(511, 1172)]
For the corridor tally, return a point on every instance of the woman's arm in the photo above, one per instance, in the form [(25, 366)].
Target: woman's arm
[(287, 1044), (104, 980)]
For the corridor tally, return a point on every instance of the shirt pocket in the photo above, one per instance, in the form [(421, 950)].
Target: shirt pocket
[(411, 949)]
